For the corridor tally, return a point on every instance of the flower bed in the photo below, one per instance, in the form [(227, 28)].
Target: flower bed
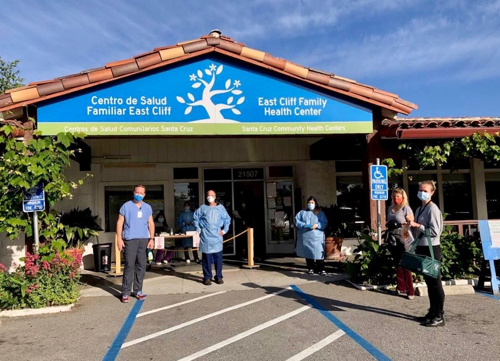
[(50, 278)]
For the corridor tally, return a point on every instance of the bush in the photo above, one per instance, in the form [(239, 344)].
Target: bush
[(50, 278), (461, 258)]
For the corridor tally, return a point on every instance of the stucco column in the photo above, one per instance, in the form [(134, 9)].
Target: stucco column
[(479, 204)]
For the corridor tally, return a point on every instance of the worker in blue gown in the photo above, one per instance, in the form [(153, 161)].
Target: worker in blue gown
[(185, 222), (212, 222), (311, 224)]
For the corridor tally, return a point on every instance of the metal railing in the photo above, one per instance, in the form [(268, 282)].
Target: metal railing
[(464, 228)]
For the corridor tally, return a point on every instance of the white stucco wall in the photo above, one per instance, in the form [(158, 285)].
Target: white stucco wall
[(11, 251)]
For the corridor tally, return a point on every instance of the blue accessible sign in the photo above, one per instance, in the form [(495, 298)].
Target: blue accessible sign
[(379, 183), (34, 199)]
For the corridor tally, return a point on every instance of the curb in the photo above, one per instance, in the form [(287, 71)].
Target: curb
[(36, 311), (472, 282)]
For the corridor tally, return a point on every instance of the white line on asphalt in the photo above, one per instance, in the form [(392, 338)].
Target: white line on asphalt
[(171, 329), (316, 347), (178, 304), (244, 334)]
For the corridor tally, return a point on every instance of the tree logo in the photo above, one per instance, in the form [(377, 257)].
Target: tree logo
[(214, 110)]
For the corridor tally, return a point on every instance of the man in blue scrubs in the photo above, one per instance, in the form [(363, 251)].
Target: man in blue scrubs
[(212, 222), (135, 230)]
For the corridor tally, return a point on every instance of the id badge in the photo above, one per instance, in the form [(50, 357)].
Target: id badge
[(139, 214)]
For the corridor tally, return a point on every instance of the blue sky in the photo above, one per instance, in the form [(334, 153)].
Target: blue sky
[(442, 55)]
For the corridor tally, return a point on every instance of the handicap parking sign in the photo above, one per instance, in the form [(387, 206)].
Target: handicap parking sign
[(34, 199), (379, 183)]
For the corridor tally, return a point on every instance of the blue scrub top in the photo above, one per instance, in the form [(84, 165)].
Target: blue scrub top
[(134, 226)]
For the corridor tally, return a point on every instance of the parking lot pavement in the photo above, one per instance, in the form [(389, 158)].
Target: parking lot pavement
[(314, 320)]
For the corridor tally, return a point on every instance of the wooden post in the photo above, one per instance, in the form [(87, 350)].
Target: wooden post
[(251, 264), (118, 261)]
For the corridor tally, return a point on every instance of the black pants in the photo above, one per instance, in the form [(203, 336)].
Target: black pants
[(135, 262), (316, 265), (434, 285)]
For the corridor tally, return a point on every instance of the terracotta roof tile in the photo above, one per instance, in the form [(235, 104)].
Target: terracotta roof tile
[(171, 53), (75, 81), (124, 69), (163, 56), (195, 46), (100, 75), (50, 88), (149, 60), (278, 63)]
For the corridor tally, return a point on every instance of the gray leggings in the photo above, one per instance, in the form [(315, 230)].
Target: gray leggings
[(135, 262)]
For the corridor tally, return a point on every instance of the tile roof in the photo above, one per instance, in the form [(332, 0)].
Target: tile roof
[(449, 127), (215, 42)]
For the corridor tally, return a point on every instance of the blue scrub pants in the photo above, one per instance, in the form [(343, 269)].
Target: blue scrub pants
[(206, 262)]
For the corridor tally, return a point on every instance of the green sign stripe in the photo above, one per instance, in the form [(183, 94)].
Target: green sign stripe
[(188, 129)]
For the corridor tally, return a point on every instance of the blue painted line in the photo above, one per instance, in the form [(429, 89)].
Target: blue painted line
[(375, 352), (489, 295), (115, 347)]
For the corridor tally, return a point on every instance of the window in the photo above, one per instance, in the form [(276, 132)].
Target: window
[(185, 173), (350, 201), (457, 196), (217, 174), (493, 195), (116, 196), (185, 192)]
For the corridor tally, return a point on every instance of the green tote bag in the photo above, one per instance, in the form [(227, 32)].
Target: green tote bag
[(420, 264)]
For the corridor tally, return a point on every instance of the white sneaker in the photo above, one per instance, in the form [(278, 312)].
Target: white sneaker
[(188, 261), (165, 262), (158, 263)]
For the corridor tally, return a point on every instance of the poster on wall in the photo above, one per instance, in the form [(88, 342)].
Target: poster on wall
[(211, 96)]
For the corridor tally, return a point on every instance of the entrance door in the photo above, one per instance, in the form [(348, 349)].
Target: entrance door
[(280, 217), (249, 212)]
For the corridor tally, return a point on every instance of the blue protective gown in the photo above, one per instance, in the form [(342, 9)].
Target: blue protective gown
[(182, 221), (209, 221), (310, 242)]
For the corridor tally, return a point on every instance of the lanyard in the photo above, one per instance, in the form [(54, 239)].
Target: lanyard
[(422, 210)]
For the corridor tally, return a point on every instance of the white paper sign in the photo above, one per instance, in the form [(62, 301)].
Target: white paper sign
[(159, 243), (196, 238), (494, 233)]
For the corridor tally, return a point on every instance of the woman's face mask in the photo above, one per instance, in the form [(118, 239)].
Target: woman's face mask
[(398, 199), (187, 209), (423, 196), (161, 219), (311, 206)]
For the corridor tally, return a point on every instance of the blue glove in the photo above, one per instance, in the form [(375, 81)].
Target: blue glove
[(308, 226)]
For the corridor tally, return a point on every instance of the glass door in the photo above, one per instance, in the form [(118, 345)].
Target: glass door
[(280, 217)]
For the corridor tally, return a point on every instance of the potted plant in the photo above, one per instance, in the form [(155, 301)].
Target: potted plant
[(78, 226), (335, 231)]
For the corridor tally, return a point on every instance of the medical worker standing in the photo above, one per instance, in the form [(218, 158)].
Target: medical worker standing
[(311, 224), (212, 222)]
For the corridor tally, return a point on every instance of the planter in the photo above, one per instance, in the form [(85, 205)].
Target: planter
[(333, 248)]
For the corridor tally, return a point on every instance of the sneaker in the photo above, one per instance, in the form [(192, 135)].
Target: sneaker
[(158, 263), (197, 261), (323, 273), (311, 272), (410, 297), (188, 261), (140, 296), (219, 281), (436, 321), (125, 299), (165, 261), (207, 282), (427, 318)]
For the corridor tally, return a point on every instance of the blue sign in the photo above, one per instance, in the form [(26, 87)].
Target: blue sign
[(379, 183), (490, 241), (34, 199), (209, 96)]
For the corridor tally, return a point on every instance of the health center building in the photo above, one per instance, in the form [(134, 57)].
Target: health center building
[(263, 132)]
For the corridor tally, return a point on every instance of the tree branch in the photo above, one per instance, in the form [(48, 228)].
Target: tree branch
[(215, 92)]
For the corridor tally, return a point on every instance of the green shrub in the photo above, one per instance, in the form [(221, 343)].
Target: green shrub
[(50, 278), (461, 258)]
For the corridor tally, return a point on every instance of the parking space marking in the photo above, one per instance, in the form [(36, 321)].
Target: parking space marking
[(375, 352), (115, 347), (488, 295), (245, 334), (178, 304), (318, 346), (196, 320)]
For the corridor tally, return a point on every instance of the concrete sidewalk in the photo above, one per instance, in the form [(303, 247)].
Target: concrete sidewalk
[(179, 277)]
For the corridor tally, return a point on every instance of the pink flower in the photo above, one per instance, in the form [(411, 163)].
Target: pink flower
[(28, 290), (72, 274), (45, 265), (3, 268)]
